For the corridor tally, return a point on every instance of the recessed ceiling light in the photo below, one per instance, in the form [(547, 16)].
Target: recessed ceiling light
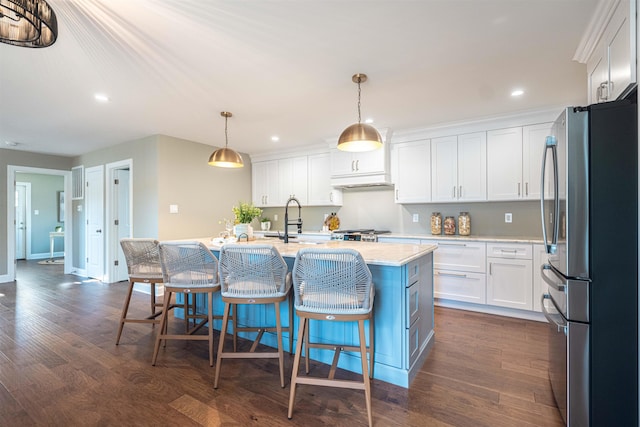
[(517, 92), (101, 97), (369, 121), (275, 138)]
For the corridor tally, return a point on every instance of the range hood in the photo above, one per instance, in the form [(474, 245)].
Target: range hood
[(376, 180)]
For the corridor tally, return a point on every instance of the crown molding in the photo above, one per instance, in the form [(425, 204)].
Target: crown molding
[(594, 31)]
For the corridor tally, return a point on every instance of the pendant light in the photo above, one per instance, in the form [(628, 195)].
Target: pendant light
[(27, 23), (226, 157), (359, 136)]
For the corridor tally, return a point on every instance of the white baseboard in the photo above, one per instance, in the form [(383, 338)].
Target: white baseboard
[(45, 255), (5, 278), (490, 309)]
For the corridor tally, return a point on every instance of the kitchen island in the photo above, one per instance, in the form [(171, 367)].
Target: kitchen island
[(403, 308)]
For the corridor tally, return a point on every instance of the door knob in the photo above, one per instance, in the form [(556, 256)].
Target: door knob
[(98, 231)]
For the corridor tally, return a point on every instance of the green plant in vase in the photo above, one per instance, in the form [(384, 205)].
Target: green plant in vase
[(265, 224), (245, 213)]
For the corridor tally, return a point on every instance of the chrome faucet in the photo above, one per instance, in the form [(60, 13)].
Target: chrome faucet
[(298, 222)]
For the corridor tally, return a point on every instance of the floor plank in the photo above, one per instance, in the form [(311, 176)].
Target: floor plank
[(59, 366)]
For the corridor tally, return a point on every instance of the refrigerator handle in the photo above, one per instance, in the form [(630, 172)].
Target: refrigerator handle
[(560, 326), (551, 143), (554, 285)]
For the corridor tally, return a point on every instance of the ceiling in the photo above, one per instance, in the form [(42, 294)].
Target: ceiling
[(283, 68)]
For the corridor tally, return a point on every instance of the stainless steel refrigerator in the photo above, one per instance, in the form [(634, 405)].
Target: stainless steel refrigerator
[(589, 209)]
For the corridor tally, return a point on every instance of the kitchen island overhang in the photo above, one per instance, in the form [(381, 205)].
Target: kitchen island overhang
[(403, 308)]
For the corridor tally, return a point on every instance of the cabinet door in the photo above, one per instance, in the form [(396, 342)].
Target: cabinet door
[(320, 192), (504, 164), (370, 162), (597, 75), (472, 166), (413, 177), (533, 143), (342, 163), (460, 286), (292, 174), (509, 283), (621, 51), (444, 169), (265, 188)]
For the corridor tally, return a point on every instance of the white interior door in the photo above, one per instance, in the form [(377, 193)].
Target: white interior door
[(94, 195), (21, 219)]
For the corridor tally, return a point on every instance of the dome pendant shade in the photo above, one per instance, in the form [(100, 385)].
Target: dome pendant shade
[(359, 137), (226, 157)]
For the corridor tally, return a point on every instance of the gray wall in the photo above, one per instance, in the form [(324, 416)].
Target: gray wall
[(20, 158), (204, 194), (375, 208), (44, 199)]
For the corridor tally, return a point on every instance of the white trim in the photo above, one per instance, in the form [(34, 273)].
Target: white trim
[(594, 31), (27, 219), (11, 232), (111, 248)]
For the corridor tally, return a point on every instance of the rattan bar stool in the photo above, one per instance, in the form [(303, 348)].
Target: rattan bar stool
[(333, 285), (253, 274), (189, 268), (143, 266)]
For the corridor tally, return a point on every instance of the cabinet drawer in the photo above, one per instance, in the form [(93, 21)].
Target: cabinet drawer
[(460, 256), (413, 341), (413, 272), (460, 286), (509, 250), (413, 304)]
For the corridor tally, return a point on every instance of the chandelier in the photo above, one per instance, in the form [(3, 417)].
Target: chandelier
[(27, 23)]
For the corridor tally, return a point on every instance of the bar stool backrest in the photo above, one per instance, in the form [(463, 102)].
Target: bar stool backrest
[(334, 281), (142, 256), (188, 264), (255, 270)]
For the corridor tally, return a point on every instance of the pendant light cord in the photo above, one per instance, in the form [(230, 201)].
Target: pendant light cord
[(359, 100), (226, 137)]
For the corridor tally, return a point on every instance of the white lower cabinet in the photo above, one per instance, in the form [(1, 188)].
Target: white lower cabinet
[(509, 275), (459, 271)]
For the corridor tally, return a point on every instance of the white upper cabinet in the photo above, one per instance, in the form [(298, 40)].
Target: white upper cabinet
[(412, 172), (292, 173), (472, 167), (444, 168), (533, 143), (363, 168), (321, 193), (504, 164), (611, 68), (265, 183), (459, 168), (514, 162)]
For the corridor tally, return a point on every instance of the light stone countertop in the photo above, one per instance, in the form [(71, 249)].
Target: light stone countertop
[(472, 238), (389, 254)]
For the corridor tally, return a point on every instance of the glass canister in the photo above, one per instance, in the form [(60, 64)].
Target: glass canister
[(464, 224), (436, 223), (449, 226)]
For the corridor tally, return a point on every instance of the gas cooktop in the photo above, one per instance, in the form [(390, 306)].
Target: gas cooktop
[(362, 231)]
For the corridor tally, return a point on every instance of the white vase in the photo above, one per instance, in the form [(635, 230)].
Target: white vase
[(243, 231), (265, 225)]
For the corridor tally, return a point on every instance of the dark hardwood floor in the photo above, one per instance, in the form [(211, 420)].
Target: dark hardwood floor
[(59, 366)]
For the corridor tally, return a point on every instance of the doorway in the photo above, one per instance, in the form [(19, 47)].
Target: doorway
[(11, 243)]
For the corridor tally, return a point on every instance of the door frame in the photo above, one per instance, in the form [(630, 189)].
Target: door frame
[(27, 219), (112, 241), (11, 216)]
